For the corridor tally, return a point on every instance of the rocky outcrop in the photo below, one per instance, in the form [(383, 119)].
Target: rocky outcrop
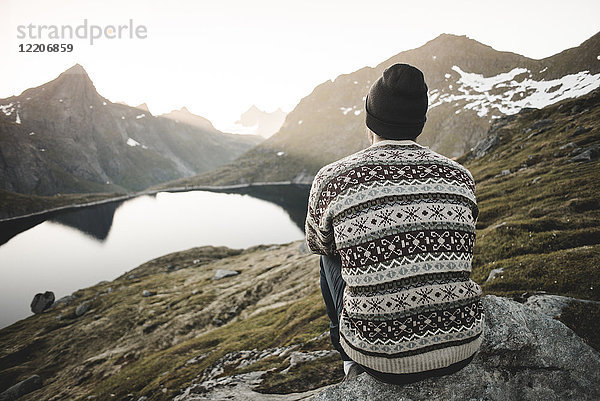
[(525, 355)]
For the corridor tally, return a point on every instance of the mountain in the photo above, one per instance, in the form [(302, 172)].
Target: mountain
[(258, 122), (470, 85), (264, 331), (65, 137)]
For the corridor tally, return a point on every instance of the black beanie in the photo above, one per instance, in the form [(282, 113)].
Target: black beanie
[(397, 103)]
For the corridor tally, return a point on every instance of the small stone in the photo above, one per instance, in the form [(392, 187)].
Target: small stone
[(147, 293), (42, 302), (132, 277), (222, 273), (494, 273), (82, 308), (568, 146)]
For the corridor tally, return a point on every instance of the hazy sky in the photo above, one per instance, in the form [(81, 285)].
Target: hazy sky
[(219, 57)]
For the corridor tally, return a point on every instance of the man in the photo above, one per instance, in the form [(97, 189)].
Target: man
[(395, 224)]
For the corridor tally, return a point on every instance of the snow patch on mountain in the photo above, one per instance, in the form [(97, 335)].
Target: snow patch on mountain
[(132, 142), (511, 91)]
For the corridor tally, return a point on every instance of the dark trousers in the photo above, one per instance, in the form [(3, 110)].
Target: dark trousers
[(332, 288)]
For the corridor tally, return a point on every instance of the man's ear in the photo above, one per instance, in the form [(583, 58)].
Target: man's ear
[(370, 136)]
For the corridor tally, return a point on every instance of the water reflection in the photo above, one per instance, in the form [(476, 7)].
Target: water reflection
[(96, 221), (67, 251)]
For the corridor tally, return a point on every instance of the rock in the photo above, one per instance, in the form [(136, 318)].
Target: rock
[(42, 302), (541, 123), (485, 145), (142, 398), (147, 293), (26, 386), (82, 308), (525, 355), (66, 300), (580, 130), (551, 305), (587, 155), (494, 273), (569, 145), (222, 273)]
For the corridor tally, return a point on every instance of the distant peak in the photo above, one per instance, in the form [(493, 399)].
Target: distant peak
[(185, 110), (76, 69)]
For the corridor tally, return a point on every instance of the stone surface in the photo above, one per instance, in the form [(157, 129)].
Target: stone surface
[(42, 302), (148, 293), (525, 355), (222, 273), (26, 386), (551, 305), (82, 308)]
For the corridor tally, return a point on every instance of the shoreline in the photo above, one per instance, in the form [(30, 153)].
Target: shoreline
[(187, 188)]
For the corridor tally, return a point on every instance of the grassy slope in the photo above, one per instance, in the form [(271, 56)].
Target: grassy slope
[(541, 222), (542, 232)]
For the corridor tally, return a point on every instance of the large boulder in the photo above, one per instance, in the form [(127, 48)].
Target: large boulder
[(42, 302), (26, 386), (525, 355)]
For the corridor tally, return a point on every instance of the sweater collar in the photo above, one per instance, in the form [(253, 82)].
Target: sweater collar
[(404, 142)]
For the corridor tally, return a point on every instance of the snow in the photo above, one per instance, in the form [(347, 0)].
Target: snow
[(42, 150), (18, 120), (140, 116), (597, 57), (346, 110), (60, 100), (132, 142), (434, 57), (280, 153), (91, 107), (543, 69), (482, 84), (7, 109), (300, 122), (103, 103), (28, 98), (32, 133), (122, 117), (447, 76), (474, 91), (355, 82), (357, 112)]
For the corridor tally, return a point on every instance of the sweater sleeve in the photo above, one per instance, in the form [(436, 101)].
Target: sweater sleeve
[(318, 226)]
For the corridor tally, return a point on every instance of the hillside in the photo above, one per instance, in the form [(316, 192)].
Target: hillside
[(467, 80), (64, 137), (539, 220)]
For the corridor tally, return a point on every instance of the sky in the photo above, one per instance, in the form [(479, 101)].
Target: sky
[(219, 57)]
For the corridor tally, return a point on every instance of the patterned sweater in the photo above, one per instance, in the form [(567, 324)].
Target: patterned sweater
[(402, 218)]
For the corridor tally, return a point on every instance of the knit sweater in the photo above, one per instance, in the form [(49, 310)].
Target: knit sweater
[(402, 218)]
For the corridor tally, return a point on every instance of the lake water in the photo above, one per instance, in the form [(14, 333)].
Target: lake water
[(77, 249)]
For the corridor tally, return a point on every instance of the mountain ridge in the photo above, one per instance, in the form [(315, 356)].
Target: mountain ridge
[(470, 85), (64, 137)]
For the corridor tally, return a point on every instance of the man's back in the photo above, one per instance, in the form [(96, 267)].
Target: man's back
[(402, 218)]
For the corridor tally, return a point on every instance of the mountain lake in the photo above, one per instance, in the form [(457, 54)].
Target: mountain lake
[(63, 252)]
